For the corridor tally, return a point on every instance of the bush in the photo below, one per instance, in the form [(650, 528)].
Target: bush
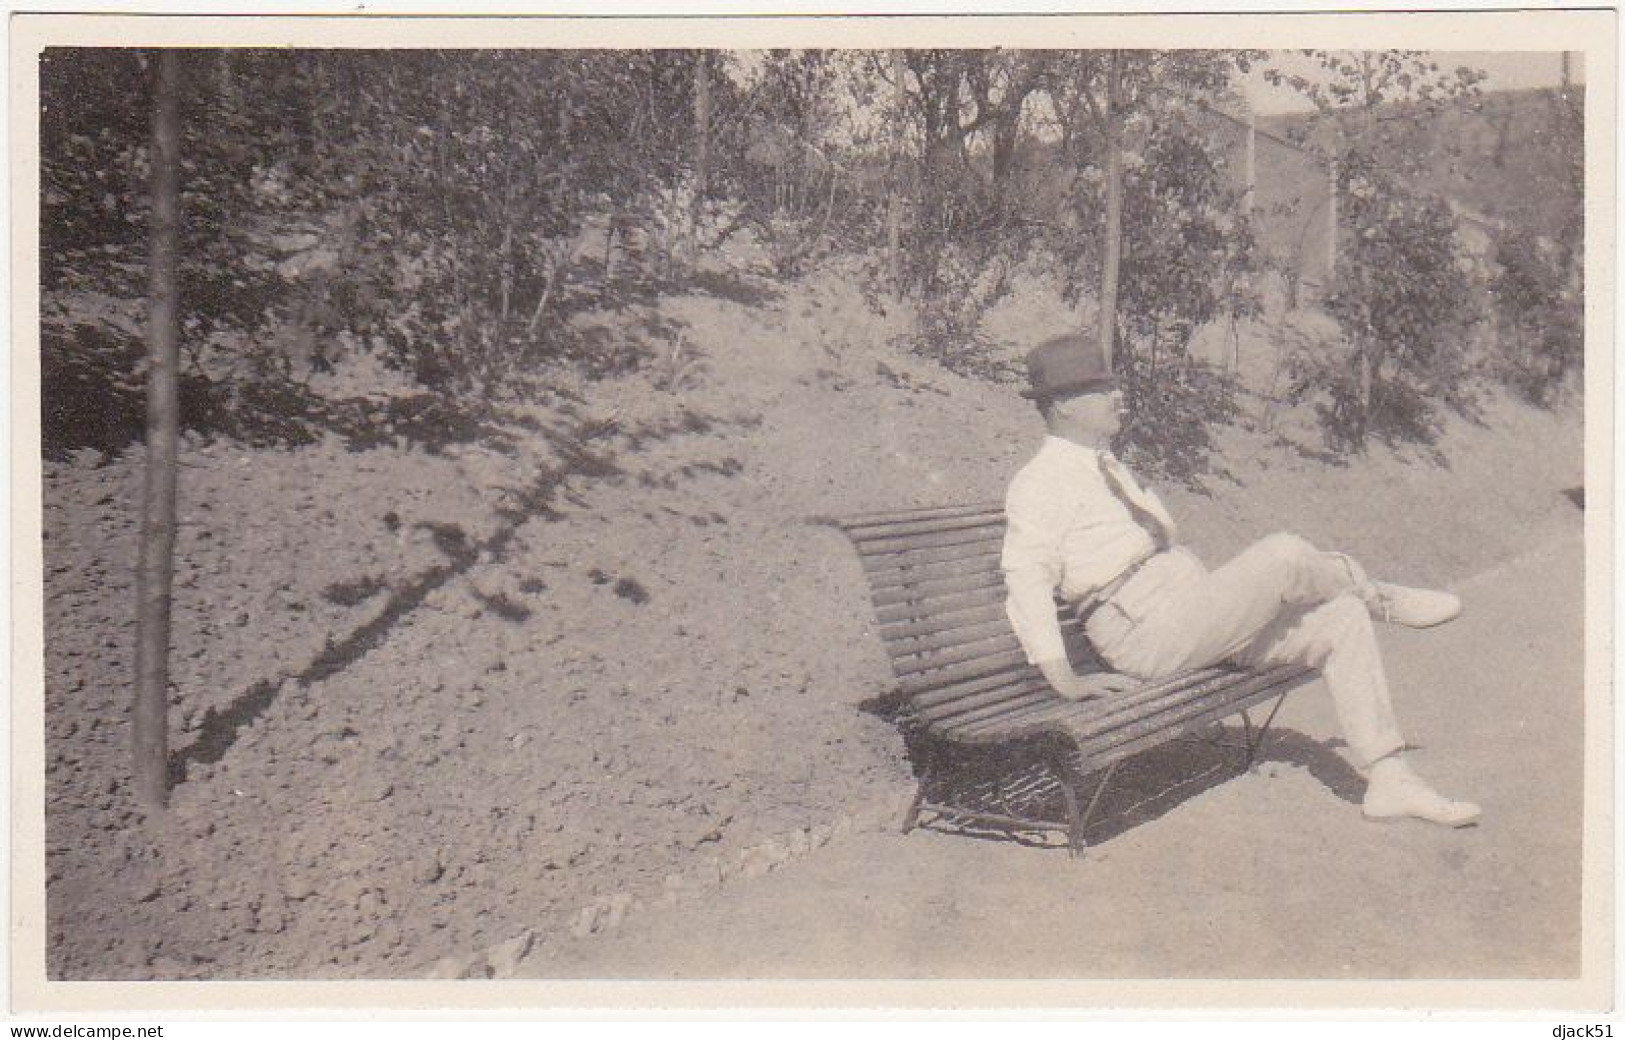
[(958, 255), (429, 205), (1187, 258), (1172, 409), (1404, 301), (1540, 337)]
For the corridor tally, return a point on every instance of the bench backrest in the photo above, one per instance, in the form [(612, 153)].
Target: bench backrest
[(939, 597)]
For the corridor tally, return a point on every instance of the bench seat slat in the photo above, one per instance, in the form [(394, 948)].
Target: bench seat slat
[(1096, 736), (946, 695), (865, 537), (912, 626), (962, 711), (947, 712), (903, 651), (949, 677), (1103, 713), (938, 606), (1001, 641), (992, 582), (977, 557), (1240, 687), (1118, 703), (883, 517), (950, 715), (1018, 720), (1187, 724)]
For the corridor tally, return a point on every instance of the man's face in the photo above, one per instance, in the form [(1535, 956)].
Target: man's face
[(1099, 412)]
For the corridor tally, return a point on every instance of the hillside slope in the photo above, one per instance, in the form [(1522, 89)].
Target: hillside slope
[(433, 704)]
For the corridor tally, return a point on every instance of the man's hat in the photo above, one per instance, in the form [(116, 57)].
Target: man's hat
[(1066, 365)]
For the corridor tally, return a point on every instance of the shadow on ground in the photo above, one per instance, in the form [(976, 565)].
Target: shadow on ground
[(582, 456), (1156, 782)]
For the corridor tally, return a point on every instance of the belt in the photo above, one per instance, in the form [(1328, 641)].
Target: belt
[(1086, 608)]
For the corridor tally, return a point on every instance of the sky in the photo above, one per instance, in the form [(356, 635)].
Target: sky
[(1508, 70)]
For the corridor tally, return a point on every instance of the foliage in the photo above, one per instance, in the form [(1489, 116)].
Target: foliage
[(458, 213), (1401, 292), (1540, 322), (1388, 102), (401, 202), (965, 230), (1188, 254), (242, 223), (982, 196), (786, 177), (1405, 303), (1174, 403)]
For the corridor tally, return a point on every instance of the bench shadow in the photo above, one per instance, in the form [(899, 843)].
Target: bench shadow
[(1146, 787)]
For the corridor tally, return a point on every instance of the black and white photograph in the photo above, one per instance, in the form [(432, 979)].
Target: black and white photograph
[(1059, 500)]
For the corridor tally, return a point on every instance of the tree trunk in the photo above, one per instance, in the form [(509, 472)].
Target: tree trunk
[(894, 205), (702, 149), (1362, 419), (1331, 225), (1107, 325), (155, 568), (1249, 197), (1006, 134), (1369, 356)]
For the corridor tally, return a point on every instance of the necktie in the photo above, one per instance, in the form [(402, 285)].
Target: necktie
[(1144, 508)]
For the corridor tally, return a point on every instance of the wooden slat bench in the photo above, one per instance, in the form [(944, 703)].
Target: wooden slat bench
[(965, 691)]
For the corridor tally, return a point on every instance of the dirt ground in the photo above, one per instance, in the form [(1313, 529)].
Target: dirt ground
[(1271, 875), (469, 711)]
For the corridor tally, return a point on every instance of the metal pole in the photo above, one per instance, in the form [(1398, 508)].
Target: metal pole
[(155, 567)]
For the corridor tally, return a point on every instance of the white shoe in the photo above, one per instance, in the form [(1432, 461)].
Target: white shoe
[(1414, 608), (1398, 794)]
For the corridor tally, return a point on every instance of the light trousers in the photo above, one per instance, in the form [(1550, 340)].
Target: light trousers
[(1280, 601)]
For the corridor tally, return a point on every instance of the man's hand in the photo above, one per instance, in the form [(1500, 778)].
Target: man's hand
[(1075, 687)]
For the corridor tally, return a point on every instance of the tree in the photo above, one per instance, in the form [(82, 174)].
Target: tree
[(1382, 103), (1376, 108), (1183, 236), (789, 173), (963, 113), (1404, 301)]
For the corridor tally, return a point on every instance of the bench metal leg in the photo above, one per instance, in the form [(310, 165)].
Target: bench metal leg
[(928, 770), (1074, 833), (912, 816), (1255, 744), (1078, 823)]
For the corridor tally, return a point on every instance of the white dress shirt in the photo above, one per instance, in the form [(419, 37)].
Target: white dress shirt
[(1068, 530)]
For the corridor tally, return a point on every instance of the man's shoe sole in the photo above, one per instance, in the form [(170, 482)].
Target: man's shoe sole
[(1470, 821)]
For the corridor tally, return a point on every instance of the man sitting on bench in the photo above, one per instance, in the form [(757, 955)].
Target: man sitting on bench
[(1078, 522)]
